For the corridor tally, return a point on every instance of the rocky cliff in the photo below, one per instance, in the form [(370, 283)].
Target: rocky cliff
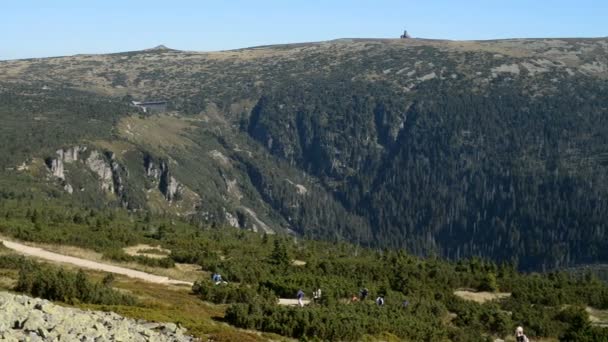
[(158, 171)]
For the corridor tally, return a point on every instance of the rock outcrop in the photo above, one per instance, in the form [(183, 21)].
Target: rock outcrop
[(97, 163), (24, 318), (104, 165), (158, 171), (110, 172), (169, 186), (56, 167), (69, 155)]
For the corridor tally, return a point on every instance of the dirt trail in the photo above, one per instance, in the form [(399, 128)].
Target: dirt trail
[(44, 254), (481, 297), (290, 302)]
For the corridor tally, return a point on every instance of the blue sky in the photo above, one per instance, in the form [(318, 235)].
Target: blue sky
[(31, 28)]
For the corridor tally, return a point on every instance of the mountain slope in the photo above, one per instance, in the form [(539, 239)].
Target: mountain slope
[(491, 148)]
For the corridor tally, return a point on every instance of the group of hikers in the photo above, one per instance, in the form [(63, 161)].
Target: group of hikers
[(316, 295), (364, 293)]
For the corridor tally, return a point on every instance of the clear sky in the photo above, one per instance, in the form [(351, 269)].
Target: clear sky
[(39, 28)]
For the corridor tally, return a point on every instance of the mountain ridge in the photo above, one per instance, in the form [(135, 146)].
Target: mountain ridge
[(435, 146), (163, 47)]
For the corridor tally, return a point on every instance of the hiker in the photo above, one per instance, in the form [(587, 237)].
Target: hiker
[(354, 299), (316, 295), (380, 300), (519, 335), (217, 279), (364, 293), (300, 296), (405, 304)]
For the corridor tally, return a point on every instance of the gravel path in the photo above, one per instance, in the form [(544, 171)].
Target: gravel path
[(292, 302), (44, 254)]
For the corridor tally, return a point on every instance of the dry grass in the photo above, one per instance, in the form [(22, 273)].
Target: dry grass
[(117, 147), (157, 131), (598, 317), (147, 251), (481, 297), (8, 279)]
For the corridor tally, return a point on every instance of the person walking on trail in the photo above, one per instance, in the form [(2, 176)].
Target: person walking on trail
[(300, 296), (217, 279), (364, 293), (316, 295), (520, 336), (380, 300)]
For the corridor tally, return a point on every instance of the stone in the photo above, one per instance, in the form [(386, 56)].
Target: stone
[(34, 321), (150, 326), (42, 332), (40, 320), (33, 337), (170, 327)]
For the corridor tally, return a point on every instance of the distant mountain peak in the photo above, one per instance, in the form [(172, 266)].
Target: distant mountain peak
[(160, 47)]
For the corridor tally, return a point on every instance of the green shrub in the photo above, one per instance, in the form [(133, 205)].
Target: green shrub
[(54, 283), (231, 293), (120, 256)]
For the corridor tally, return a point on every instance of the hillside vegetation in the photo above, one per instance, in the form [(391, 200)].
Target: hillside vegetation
[(494, 149), (260, 268)]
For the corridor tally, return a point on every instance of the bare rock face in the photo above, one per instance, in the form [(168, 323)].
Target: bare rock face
[(116, 178), (172, 190), (231, 219), (69, 155), (158, 171), (151, 170), (104, 165), (56, 166), (97, 163), (24, 318)]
